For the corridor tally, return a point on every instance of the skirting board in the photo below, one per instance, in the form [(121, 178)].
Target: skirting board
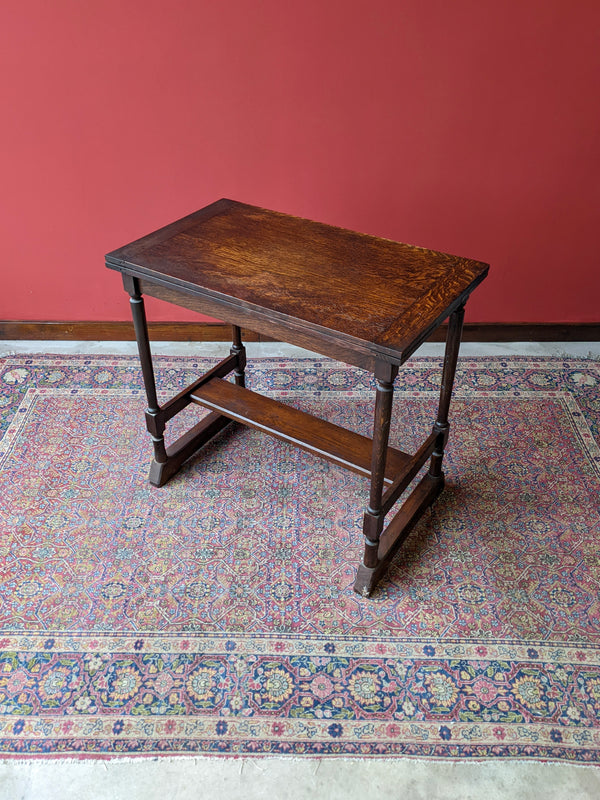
[(216, 331)]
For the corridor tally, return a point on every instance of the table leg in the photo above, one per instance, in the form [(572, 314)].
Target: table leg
[(381, 544), (374, 517), (168, 460), (156, 425), (238, 349), (442, 426)]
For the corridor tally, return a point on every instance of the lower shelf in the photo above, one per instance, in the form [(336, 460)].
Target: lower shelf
[(317, 436)]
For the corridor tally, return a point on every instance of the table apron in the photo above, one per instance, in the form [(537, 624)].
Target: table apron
[(325, 343)]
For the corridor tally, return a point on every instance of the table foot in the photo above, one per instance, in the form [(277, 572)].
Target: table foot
[(397, 531), (186, 446)]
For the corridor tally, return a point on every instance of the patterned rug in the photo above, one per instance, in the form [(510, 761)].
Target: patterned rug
[(216, 615)]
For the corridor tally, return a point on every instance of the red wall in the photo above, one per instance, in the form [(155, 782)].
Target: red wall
[(468, 126)]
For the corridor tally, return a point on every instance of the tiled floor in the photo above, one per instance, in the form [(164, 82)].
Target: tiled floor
[(287, 779)]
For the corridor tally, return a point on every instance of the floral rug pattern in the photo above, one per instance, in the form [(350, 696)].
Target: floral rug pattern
[(216, 614)]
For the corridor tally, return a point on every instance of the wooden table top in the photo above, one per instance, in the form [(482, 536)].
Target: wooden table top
[(366, 291)]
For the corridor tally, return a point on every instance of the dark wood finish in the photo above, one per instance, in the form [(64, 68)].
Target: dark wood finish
[(341, 293), (121, 331), (379, 548), (396, 532), (317, 436), (239, 352), (442, 426), (405, 476), (367, 301), (154, 422), (184, 398), (373, 518), (186, 446), (96, 331), (527, 332)]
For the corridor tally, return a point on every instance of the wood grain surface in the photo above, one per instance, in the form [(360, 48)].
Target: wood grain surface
[(323, 281)]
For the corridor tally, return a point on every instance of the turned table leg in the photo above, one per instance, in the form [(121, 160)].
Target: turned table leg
[(238, 350), (374, 516), (382, 543), (155, 423), (168, 460), (442, 426)]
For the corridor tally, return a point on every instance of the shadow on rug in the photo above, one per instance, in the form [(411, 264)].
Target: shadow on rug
[(216, 614)]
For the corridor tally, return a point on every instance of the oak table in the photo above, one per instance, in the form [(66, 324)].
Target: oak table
[(366, 301)]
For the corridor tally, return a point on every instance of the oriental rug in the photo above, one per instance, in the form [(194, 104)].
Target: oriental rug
[(216, 614)]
